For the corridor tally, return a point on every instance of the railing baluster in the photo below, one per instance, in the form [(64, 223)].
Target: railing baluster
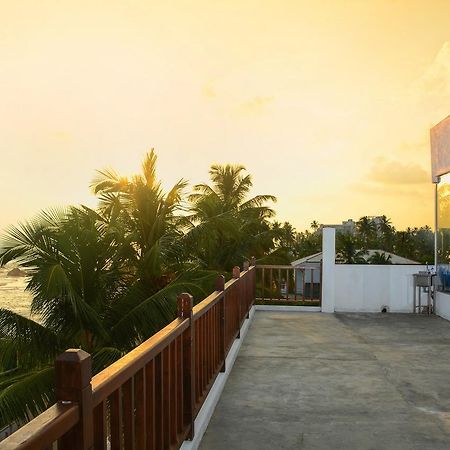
[(166, 397), (173, 393), (236, 286), (185, 312), (263, 284), (139, 402), (203, 354), (279, 284), (220, 286), (210, 344), (197, 360), (295, 284), (271, 283), (287, 283), (128, 414), (304, 284), (150, 405), (180, 405), (100, 426), (115, 407), (159, 406)]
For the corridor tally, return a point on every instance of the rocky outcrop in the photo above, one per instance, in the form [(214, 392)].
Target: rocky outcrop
[(16, 273)]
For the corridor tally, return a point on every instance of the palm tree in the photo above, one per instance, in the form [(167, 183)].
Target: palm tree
[(366, 232), (347, 250), (404, 244), (147, 221), (284, 234), (224, 226), (379, 258), (315, 225), (90, 274), (386, 233)]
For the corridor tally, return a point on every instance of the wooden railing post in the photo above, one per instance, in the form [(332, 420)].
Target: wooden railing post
[(253, 282), (236, 276), (73, 384), (185, 303), (220, 286), (246, 289)]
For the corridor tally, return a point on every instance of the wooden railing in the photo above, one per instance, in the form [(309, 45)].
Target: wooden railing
[(289, 284), (149, 398)]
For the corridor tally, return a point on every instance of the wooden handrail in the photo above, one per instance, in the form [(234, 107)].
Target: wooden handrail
[(204, 306), (45, 429), (111, 378)]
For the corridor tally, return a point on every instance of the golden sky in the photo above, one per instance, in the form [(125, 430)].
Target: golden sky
[(327, 103)]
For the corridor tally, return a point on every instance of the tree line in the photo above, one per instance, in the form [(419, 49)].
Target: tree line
[(377, 234)]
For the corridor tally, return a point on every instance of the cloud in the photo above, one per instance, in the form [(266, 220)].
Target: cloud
[(436, 78), (255, 105), (389, 172)]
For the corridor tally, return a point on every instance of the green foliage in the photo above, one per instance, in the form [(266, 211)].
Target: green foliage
[(224, 226), (416, 244), (348, 251), (379, 258)]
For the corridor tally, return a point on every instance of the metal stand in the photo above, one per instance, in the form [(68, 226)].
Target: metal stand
[(423, 281)]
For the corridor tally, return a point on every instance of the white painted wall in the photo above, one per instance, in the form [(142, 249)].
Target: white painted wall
[(442, 305), (369, 287)]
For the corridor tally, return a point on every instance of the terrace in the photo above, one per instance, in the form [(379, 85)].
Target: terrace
[(258, 365), (343, 381)]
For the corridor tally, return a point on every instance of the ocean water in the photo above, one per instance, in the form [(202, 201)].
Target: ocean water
[(12, 293)]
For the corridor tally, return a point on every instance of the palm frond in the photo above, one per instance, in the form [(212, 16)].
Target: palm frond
[(138, 316), (26, 396), (26, 340)]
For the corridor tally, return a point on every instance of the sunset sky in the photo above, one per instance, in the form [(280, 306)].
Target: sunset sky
[(327, 103)]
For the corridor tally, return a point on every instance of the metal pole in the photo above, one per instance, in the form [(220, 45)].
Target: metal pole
[(436, 224)]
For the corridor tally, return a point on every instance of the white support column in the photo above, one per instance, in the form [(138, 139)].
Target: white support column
[(328, 263)]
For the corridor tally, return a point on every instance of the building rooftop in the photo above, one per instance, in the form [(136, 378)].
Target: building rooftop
[(337, 381), (316, 258)]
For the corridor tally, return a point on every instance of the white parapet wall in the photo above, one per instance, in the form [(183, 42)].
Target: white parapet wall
[(366, 287), (442, 305), (369, 287)]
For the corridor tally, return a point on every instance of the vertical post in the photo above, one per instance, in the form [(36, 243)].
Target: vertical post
[(73, 384), (246, 289), (220, 286), (320, 282), (236, 276), (328, 269), (436, 225), (184, 304), (253, 263)]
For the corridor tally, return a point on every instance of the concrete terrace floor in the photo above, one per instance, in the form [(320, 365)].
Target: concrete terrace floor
[(345, 381)]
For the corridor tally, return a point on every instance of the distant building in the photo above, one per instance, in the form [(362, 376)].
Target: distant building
[(346, 227), (349, 226)]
